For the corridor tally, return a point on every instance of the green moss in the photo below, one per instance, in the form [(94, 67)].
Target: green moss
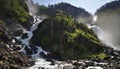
[(101, 55)]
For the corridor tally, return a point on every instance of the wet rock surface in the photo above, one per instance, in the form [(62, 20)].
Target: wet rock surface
[(25, 35)]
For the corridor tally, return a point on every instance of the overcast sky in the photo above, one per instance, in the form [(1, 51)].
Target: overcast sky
[(90, 5)]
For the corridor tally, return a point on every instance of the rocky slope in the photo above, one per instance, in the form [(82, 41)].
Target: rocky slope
[(13, 15), (66, 39), (11, 59)]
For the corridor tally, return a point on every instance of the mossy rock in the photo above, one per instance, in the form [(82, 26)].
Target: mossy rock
[(61, 34)]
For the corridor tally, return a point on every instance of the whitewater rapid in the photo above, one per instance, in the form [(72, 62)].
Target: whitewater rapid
[(26, 41)]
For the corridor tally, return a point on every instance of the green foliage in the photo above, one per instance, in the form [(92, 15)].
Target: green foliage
[(13, 9), (61, 34), (101, 55)]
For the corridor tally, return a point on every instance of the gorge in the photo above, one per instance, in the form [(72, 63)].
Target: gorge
[(38, 37)]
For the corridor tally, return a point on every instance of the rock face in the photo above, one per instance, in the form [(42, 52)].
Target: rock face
[(66, 39), (10, 59)]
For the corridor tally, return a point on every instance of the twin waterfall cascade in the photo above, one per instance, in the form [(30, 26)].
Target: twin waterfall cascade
[(41, 63)]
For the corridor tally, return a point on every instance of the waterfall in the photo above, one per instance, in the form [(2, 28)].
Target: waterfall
[(41, 63), (25, 42), (102, 35)]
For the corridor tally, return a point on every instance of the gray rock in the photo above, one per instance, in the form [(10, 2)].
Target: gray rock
[(68, 67)]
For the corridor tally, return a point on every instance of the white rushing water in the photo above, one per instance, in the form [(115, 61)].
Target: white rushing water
[(102, 35), (25, 41), (42, 63)]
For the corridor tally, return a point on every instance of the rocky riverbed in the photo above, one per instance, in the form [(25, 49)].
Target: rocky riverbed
[(10, 59), (112, 61), (77, 64)]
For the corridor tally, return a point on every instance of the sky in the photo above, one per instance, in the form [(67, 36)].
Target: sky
[(89, 5)]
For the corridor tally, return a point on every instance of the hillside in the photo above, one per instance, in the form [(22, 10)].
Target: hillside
[(14, 8), (71, 10), (112, 6), (66, 39), (80, 14), (13, 13)]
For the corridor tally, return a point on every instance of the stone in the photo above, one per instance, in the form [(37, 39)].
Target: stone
[(68, 67), (25, 35)]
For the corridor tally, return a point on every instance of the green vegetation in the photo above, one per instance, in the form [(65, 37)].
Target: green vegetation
[(14, 10), (61, 34), (100, 56)]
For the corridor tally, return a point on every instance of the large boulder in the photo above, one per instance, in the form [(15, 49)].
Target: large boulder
[(62, 36)]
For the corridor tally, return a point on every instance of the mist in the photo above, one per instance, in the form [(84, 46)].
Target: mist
[(33, 8), (84, 20), (110, 23)]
